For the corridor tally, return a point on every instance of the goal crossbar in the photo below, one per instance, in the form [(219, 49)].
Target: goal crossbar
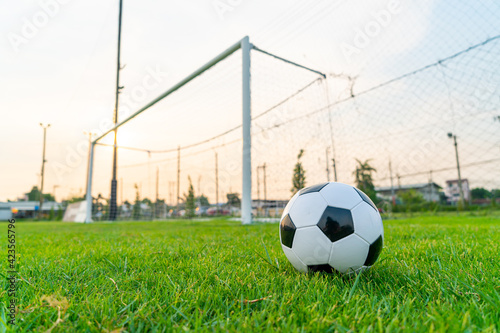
[(235, 47)]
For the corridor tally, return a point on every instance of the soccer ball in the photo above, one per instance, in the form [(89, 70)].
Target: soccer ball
[(331, 227)]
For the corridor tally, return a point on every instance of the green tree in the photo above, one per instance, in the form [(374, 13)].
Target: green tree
[(159, 206), (233, 199), (495, 193), (149, 213), (147, 201), (189, 200), (34, 195), (136, 210), (202, 200), (299, 174), (411, 199), (480, 193), (60, 212), (364, 179)]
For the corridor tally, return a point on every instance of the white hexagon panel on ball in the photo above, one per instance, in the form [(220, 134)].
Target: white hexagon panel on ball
[(367, 222), (340, 195), (307, 209), (349, 254), (312, 246), (294, 260)]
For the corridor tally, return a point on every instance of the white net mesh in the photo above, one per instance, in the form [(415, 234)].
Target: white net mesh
[(404, 121)]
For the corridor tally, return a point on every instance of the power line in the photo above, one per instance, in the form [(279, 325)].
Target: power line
[(187, 155), (352, 96), (439, 62), (443, 169), (223, 133), (322, 109)]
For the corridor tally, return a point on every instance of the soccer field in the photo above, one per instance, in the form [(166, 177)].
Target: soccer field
[(436, 273)]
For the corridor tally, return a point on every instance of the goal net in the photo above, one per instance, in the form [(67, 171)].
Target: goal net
[(195, 135), (397, 125)]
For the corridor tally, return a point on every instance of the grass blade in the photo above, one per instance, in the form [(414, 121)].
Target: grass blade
[(353, 288)]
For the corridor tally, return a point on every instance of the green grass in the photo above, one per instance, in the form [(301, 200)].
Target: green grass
[(435, 274)]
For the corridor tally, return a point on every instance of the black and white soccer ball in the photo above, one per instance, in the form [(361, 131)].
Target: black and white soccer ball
[(331, 227)]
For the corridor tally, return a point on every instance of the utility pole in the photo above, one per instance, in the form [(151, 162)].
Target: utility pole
[(149, 173), (331, 133), (393, 195), (54, 191), (334, 169), (157, 190), (265, 187), (258, 189), (171, 188), (199, 191), (263, 167), (43, 168), (178, 175), (431, 189), (454, 137), (216, 184), (327, 166), (112, 200), (496, 118)]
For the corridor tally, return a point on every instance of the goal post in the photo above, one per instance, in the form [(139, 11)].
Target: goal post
[(245, 47), (88, 195), (246, 196)]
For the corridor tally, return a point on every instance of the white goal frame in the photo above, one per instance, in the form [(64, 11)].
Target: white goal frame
[(246, 196)]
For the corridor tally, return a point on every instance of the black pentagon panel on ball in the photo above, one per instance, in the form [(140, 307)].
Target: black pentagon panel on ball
[(366, 199), (326, 268), (287, 231), (336, 223), (374, 251), (314, 188)]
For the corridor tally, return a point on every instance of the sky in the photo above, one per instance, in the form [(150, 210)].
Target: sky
[(58, 60)]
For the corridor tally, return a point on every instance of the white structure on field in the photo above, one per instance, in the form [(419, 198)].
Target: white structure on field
[(76, 212)]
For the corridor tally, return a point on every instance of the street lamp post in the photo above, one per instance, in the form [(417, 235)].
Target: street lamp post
[(43, 168), (454, 137)]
